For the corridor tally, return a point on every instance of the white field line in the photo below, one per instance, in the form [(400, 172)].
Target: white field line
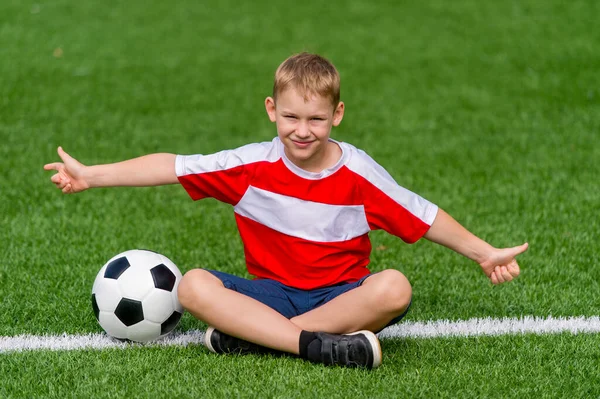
[(429, 329)]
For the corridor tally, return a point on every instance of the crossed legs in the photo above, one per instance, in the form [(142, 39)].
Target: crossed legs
[(380, 298)]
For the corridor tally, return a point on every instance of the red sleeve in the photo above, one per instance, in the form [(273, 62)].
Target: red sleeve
[(227, 185), (388, 205), (385, 213), (224, 175)]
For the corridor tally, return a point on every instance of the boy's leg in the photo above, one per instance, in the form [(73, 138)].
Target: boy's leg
[(370, 306), (205, 296)]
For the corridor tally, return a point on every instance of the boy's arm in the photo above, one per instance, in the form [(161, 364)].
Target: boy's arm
[(149, 170), (499, 264)]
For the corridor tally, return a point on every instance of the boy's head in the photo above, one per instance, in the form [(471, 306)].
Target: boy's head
[(310, 75), (305, 105)]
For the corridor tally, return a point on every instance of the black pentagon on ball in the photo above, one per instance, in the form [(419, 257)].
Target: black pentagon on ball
[(170, 323), (129, 311), (96, 308), (116, 268), (164, 279)]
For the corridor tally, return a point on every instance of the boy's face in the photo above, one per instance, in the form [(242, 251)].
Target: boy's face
[(304, 128)]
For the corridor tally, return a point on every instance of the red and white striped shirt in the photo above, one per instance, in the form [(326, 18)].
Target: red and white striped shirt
[(306, 230)]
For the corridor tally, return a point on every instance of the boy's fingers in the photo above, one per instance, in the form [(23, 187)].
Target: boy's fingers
[(67, 189), (56, 178), (505, 274), (494, 278), (498, 275), (514, 269), (53, 166)]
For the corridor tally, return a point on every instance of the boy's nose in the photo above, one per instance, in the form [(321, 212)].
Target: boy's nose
[(303, 131)]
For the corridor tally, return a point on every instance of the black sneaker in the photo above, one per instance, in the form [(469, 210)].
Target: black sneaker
[(359, 349), (219, 342)]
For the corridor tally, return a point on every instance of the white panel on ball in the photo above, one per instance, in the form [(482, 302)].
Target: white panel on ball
[(143, 331), (136, 282), (98, 279), (158, 306), (142, 258), (108, 294), (112, 325)]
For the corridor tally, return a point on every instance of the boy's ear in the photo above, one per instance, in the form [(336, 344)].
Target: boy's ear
[(270, 107), (338, 114)]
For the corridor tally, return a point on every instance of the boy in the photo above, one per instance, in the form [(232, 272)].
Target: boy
[(304, 205)]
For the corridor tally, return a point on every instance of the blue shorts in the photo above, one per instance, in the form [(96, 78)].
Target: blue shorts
[(288, 301)]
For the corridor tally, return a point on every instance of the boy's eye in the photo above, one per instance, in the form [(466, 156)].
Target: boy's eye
[(318, 119), (290, 116)]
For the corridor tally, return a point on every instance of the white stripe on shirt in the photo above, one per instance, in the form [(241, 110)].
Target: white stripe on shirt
[(308, 220)]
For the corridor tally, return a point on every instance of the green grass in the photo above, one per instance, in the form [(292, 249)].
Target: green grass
[(525, 366), (489, 109)]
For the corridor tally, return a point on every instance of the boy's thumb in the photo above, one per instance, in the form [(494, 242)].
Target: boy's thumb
[(62, 154), (521, 248)]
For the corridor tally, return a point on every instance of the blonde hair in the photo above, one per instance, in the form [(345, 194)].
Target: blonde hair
[(309, 74)]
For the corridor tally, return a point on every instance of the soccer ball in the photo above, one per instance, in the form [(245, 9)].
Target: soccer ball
[(135, 296)]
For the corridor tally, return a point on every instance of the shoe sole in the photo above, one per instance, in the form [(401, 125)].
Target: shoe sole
[(207, 335), (374, 341)]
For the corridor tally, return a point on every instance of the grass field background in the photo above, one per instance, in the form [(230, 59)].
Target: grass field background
[(489, 109)]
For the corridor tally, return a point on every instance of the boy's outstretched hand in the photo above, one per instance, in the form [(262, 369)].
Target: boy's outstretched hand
[(70, 174), (501, 265)]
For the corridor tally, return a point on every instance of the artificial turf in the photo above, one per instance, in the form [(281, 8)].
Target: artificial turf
[(489, 109), (499, 367)]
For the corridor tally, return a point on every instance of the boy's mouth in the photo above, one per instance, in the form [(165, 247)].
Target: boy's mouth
[(301, 144)]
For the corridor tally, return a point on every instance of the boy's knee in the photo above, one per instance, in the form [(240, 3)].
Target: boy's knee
[(394, 290), (192, 285)]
